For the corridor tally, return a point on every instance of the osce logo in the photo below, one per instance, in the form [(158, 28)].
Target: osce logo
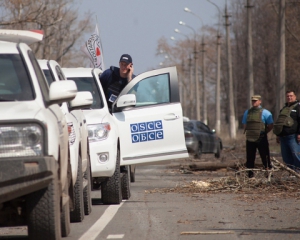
[(146, 131)]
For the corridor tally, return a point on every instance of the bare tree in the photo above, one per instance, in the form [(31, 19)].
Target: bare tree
[(60, 22)]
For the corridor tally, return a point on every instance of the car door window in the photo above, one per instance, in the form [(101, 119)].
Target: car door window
[(48, 76), (202, 127), (188, 125), (152, 90)]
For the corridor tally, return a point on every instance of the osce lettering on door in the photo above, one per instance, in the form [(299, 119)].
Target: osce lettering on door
[(146, 131)]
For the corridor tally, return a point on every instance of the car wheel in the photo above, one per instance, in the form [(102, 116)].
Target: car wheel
[(199, 151), (87, 190), (43, 212), (218, 152), (125, 183), (111, 192), (77, 215), (132, 173)]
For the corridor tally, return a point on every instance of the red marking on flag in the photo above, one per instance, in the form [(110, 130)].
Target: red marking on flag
[(98, 53)]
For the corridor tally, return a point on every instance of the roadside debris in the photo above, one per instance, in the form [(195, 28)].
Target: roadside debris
[(278, 180)]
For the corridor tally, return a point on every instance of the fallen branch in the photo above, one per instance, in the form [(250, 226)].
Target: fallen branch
[(291, 171)]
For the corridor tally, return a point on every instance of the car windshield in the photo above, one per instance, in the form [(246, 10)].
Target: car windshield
[(15, 84), (48, 76), (89, 84)]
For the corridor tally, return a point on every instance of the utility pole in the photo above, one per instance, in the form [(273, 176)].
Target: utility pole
[(204, 83), (183, 89), (218, 90), (197, 97), (249, 53), (191, 105), (280, 86), (218, 107), (232, 126)]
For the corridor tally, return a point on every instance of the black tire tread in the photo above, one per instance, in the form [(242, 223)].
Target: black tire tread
[(218, 153), (125, 183), (199, 152), (87, 200), (77, 215), (111, 192), (43, 213)]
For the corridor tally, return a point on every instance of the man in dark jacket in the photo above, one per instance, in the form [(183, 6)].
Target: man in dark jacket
[(114, 79), (287, 130)]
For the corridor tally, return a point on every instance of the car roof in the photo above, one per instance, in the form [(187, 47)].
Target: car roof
[(24, 36), (79, 72), (8, 47), (43, 63)]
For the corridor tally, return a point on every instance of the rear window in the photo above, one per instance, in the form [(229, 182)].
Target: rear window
[(15, 83), (188, 125), (48, 76), (89, 84)]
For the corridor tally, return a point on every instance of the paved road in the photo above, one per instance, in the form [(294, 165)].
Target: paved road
[(152, 214)]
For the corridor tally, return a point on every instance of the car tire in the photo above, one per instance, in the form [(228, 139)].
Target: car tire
[(218, 152), (132, 173), (125, 183), (87, 200), (77, 214), (65, 217), (111, 192), (43, 212), (199, 151)]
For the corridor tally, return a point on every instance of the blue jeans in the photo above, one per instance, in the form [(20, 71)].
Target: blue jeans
[(290, 151)]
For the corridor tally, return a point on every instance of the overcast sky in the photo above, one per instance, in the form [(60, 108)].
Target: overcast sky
[(134, 26)]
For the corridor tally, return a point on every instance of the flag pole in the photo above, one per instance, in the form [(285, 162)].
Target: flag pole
[(98, 31)]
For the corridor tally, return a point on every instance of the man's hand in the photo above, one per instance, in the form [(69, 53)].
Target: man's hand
[(130, 72), (278, 139)]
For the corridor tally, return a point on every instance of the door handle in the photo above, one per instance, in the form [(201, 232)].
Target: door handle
[(171, 116)]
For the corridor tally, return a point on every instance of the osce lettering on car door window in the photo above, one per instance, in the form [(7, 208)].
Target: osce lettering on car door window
[(146, 131)]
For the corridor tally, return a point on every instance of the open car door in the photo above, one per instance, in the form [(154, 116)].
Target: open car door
[(151, 129)]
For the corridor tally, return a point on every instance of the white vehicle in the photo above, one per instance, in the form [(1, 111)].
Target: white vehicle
[(33, 141), (145, 126), (78, 143)]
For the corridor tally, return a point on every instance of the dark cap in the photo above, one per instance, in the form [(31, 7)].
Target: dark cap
[(256, 97), (126, 58)]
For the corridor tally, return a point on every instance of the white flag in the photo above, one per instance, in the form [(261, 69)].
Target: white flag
[(92, 48)]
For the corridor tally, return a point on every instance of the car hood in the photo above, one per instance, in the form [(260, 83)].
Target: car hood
[(94, 116), (19, 110)]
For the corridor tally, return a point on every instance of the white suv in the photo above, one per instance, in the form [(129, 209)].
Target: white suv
[(78, 142), (145, 126), (33, 141)]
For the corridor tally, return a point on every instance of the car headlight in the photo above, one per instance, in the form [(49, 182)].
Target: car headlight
[(98, 132), (21, 140)]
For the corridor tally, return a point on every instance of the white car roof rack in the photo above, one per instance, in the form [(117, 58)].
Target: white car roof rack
[(24, 36)]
